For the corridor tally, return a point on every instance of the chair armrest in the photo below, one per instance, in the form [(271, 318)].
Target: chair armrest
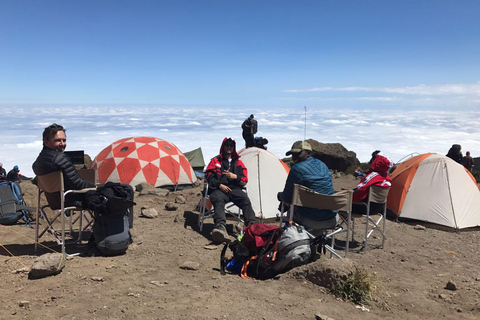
[(82, 190)]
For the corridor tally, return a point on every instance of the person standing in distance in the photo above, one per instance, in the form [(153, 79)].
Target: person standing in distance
[(249, 127)]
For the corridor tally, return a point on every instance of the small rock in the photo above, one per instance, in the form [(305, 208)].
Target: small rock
[(322, 317), (47, 265), (22, 270), (180, 199), (24, 304), (149, 213), (190, 265), (451, 286), (143, 186), (419, 227), (170, 206), (99, 279), (210, 247), (157, 283), (443, 296), (136, 295)]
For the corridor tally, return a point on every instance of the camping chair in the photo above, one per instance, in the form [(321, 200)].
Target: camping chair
[(341, 201), (12, 205), (376, 205), (53, 183), (205, 208)]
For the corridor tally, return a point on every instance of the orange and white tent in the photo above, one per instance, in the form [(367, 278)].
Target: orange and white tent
[(267, 175), (436, 189), (135, 160)]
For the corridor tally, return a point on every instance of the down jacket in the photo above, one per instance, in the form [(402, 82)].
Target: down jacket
[(49, 161), (377, 175), (313, 174), (214, 173)]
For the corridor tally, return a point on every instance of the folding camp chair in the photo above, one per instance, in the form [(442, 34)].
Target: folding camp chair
[(376, 205), (205, 208), (341, 201), (53, 183), (12, 205)]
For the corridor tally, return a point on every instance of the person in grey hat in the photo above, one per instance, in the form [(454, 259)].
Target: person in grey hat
[(313, 174)]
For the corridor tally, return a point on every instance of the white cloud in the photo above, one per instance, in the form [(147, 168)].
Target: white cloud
[(472, 89), (396, 132)]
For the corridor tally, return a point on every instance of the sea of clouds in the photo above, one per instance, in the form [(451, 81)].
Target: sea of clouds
[(394, 132)]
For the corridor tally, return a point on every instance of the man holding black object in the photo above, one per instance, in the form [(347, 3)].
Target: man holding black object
[(227, 176)]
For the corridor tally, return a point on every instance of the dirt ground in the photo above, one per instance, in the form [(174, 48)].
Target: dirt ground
[(410, 275)]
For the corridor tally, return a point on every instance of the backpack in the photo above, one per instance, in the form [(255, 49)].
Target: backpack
[(265, 251), (112, 205), (294, 248)]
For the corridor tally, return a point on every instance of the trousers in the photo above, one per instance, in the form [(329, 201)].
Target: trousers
[(239, 198)]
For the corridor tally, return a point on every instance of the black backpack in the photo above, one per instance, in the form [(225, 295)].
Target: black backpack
[(112, 205)]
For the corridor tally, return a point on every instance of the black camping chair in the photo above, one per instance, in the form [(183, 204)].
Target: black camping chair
[(13, 206)]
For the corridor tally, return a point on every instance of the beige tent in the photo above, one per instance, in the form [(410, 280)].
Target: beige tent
[(266, 177), (434, 188)]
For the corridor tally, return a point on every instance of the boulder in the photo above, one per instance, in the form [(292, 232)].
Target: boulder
[(334, 155)]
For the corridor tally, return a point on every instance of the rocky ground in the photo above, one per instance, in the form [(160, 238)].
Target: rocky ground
[(171, 271)]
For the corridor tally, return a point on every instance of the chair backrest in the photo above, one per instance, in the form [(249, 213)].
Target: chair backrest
[(52, 182), (88, 174), (305, 197), (378, 194)]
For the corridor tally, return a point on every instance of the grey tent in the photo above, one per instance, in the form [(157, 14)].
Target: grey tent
[(195, 157)]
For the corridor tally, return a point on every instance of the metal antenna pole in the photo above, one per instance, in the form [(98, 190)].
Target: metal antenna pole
[(305, 129)]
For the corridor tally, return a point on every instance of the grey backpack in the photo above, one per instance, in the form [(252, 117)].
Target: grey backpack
[(293, 249)]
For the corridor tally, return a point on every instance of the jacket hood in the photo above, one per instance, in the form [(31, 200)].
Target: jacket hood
[(234, 153), (381, 164)]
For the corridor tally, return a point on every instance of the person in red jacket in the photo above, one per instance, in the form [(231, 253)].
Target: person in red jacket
[(377, 175), (227, 176)]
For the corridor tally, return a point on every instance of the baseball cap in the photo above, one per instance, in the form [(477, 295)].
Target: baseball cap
[(299, 146)]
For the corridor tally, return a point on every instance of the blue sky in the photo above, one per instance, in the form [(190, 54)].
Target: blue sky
[(253, 54)]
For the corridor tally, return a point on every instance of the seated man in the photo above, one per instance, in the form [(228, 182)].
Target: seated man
[(226, 176), (377, 175), (313, 174), (52, 159), (13, 175)]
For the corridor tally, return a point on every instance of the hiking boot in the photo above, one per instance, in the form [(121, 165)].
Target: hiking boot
[(219, 233)]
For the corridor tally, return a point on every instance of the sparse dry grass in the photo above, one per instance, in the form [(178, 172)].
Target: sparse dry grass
[(357, 287)]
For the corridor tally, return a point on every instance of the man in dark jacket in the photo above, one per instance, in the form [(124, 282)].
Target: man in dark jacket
[(13, 175), (455, 153), (249, 127), (313, 174), (227, 176), (52, 159)]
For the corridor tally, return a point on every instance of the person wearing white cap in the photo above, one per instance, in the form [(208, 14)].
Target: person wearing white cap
[(313, 174)]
